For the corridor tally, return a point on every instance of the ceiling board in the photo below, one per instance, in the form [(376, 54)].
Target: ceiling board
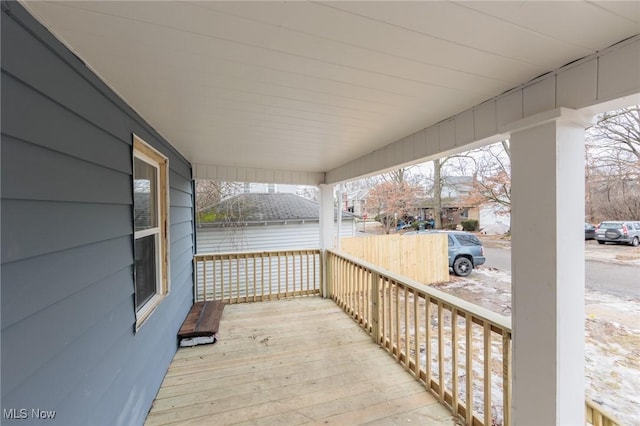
[(310, 86)]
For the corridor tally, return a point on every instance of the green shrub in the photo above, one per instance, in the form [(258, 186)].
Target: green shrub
[(470, 225), (449, 226), (208, 217)]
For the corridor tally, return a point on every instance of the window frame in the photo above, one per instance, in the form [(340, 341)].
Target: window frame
[(144, 152)]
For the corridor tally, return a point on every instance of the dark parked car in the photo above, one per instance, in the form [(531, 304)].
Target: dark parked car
[(589, 231), (619, 231), (465, 250)]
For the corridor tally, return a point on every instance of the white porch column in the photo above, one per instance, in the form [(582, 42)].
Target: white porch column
[(326, 224), (327, 218), (547, 163)]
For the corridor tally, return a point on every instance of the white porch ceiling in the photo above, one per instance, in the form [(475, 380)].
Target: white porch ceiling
[(310, 86)]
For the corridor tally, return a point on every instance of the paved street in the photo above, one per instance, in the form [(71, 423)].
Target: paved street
[(619, 278)]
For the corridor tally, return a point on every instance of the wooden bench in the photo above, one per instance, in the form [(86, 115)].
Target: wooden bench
[(202, 323)]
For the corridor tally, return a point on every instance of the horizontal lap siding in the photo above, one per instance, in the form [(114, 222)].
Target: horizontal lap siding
[(68, 320), (264, 238)]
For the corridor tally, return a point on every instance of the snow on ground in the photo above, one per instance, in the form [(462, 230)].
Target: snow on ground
[(612, 333)]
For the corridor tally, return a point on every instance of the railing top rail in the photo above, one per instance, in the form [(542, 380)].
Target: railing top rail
[(476, 311), (265, 252)]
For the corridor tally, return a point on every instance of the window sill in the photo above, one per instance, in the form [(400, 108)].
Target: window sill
[(148, 309)]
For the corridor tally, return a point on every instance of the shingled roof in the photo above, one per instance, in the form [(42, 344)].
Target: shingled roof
[(262, 208)]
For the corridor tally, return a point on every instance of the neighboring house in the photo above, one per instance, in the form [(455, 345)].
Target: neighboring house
[(456, 187), (89, 319), (262, 222), (268, 188), (455, 207), (355, 201)]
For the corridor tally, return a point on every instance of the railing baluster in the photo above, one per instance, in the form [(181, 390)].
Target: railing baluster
[(441, 351), (279, 276), (222, 279), (286, 274), (406, 328), (359, 301), (391, 318), (339, 282), (454, 359), (487, 373), (294, 260), (506, 378), (335, 282), (349, 298), (253, 262), (214, 280), (397, 315), (262, 278), (270, 284), (359, 294), (319, 275), (236, 258), (308, 280), (204, 280), (370, 297), (375, 308), (354, 296), (427, 347), (469, 368), (388, 332), (311, 271), (366, 298), (416, 334), (383, 310), (246, 278)]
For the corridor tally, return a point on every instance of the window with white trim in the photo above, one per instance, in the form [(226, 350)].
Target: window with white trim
[(150, 206)]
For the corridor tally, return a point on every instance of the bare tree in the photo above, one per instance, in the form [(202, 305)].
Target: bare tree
[(613, 166), (440, 166), (395, 176), (308, 192), (393, 199), (617, 134), (492, 182), (211, 192)]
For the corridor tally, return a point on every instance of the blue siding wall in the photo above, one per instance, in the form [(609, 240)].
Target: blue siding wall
[(68, 340)]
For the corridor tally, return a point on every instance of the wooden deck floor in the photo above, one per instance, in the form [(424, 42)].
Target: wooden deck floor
[(290, 362)]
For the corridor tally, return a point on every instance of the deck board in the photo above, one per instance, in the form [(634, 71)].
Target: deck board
[(295, 361)]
